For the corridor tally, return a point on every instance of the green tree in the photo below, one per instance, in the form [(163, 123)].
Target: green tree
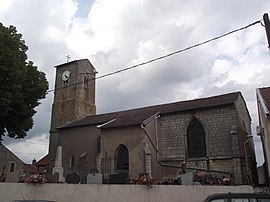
[(21, 85)]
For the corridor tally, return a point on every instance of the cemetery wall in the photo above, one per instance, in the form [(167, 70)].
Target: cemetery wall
[(112, 193)]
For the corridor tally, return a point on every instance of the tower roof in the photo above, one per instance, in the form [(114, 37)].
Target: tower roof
[(77, 61), (74, 61)]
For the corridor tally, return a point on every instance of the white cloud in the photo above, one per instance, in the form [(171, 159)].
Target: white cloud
[(5, 5), (30, 148)]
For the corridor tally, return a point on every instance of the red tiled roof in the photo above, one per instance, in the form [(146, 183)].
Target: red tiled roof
[(43, 162), (29, 168), (137, 116), (264, 96)]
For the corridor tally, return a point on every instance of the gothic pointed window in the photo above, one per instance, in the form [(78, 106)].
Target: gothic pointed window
[(121, 158), (196, 140)]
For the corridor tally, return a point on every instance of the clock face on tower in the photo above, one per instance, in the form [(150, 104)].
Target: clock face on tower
[(65, 75)]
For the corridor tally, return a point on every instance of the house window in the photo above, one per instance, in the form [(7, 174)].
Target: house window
[(196, 140), (71, 161), (12, 167), (122, 158)]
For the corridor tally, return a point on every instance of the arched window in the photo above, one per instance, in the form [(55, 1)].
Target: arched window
[(196, 140), (121, 158)]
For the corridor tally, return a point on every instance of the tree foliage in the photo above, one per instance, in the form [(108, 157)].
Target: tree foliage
[(21, 85)]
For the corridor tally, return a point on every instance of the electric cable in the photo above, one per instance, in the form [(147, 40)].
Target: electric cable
[(164, 56)]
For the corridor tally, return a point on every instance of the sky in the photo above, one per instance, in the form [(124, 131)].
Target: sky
[(115, 34)]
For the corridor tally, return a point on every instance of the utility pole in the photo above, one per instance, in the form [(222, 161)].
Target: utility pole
[(267, 28)]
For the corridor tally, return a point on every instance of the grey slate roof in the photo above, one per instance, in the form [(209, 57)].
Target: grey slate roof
[(138, 115)]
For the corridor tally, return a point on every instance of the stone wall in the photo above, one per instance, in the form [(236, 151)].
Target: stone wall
[(221, 126), (132, 138), (81, 144), (112, 193), (217, 124), (6, 159)]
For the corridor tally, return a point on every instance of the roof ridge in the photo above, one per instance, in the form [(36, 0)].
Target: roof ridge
[(266, 87), (5, 147), (169, 103), (73, 61)]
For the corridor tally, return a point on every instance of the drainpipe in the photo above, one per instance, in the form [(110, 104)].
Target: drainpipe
[(155, 116), (246, 159), (156, 148)]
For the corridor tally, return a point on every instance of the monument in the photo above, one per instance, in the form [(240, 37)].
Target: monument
[(58, 165)]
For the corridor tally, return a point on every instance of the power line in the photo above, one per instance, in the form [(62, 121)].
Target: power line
[(34, 142), (165, 56), (17, 152), (31, 142)]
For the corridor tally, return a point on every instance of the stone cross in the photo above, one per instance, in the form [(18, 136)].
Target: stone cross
[(68, 57)]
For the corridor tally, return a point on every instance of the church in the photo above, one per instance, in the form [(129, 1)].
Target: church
[(207, 135)]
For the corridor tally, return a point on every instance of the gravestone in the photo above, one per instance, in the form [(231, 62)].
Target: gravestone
[(143, 174), (94, 178), (187, 178), (73, 178), (119, 178), (54, 178)]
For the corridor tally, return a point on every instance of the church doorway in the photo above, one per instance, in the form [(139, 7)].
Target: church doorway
[(121, 158)]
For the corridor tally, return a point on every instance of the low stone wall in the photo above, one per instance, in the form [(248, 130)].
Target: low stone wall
[(111, 193)]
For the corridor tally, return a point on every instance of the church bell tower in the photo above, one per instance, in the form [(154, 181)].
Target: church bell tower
[(74, 98)]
